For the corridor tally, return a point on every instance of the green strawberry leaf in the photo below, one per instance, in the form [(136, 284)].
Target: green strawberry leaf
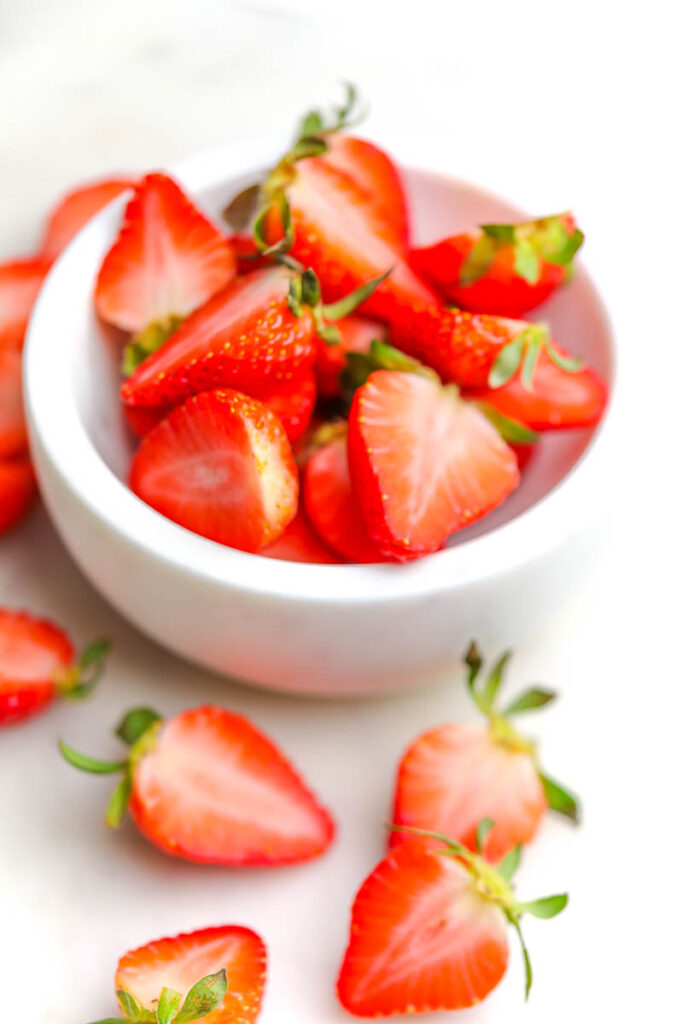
[(311, 124), (310, 288), (510, 430), (347, 108), (528, 976), (510, 863), (529, 364), (560, 799), (240, 211), (119, 801), (135, 724), (134, 1012), (90, 764), (489, 691), (527, 263), (345, 306), (568, 363), (477, 261), (329, 334), (205, 996), (505, 233), (547, 907), (530, 700), (507, 361), (168, 1006), (295, 297), (483, 829)]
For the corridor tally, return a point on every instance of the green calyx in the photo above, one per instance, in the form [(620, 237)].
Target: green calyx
[(139, 730), (547, 240), (494, 884), (305, 292), (380, 355), (148, 341), (79, 680), (523, 351), (484, 692), (202, 999)]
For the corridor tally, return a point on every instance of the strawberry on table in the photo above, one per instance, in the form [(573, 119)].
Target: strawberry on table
[(260, 811), (17, 491), (20, 282), (38, 663), (356, 334), (300, 543), (75, 210), (220, 465), (507, 269), (424, 462), (216, 974), (13, 437), (167, 260), (429, 930), (455, 775)]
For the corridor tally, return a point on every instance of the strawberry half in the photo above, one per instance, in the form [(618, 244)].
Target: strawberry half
[(74, 211), (300, 543), (454, 776), (331, 504), (260, 812), (221, 466), (506, 269), (20, 282), (17, 491), (167, 260), (429, 931), (13, 437), (556, 399), (355, 335), (37, 663), (424, 463), (217, 974)]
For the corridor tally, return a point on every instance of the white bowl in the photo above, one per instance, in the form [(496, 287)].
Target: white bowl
[(296, 627)]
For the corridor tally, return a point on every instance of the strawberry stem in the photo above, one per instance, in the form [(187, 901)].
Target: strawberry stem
[(79, 681)]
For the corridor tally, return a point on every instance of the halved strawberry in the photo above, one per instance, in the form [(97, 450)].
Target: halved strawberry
[(17, 491), (331, 504), (429, 932), (292, 402), (300, 543), (356, 334), (75, 209), (247, 254), (37, 663), (424, 463), (259, 811), (556, 399), (20, 282), (217, 974), (168, 259), (455, 775), (506, 269), (220, 465), (13, 437)]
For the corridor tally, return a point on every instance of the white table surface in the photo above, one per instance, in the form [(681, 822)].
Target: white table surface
[(555, 106)]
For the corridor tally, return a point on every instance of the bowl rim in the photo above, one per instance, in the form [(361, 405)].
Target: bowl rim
[(57, 433)]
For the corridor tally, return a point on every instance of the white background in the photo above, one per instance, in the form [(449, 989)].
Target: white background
[(573, 105)]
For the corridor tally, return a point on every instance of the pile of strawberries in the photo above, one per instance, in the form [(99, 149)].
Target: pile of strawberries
[(428, 925)]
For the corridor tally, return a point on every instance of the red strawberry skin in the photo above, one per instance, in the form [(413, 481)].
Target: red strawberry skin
[(168, 259), (142, 418), (332, 507), (74, 211), (556, 400), (454, 776), (422, 939), (32, 653), (357, 333), (20, 282), (292, 402), (300, 543), (423, 463), (13, 436), (220, 465), (245, 337), (258, 812), (17, 491), (178, 963)]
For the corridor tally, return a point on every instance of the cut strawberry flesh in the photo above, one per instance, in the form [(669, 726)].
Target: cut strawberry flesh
[(75, 210), (17, 491), (214, 789), (454, 776), (168, 259), (179, 963), (423, 463), (245, 337), (20, 282), (421, 939), (332, 506), (32, 653), (300, 543), (220, 465), (13, 437)]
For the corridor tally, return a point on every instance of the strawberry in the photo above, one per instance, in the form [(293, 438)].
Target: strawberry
[(300, 543), (429, 931), (20, 282), (37, 663), (260, 812), (141, 418), (292, 402), (331, 504), (17, 491), (167, 260), (557, 399), (217, 974), (507, 269), (455, 775), (13, 437), (356, 335), (424, 463), (247, 254), (220, 465), (75, 210)]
